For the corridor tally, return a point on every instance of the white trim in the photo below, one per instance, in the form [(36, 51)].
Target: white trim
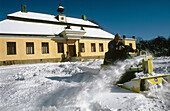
[(28, 37), (91, 39), (51, 37)]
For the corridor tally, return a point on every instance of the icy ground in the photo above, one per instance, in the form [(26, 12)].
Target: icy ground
[(77, 86)]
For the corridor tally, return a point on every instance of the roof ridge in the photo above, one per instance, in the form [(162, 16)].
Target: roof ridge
[(49, 17)]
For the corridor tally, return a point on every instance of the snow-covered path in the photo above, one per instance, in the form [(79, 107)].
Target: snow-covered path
[(76, 86)]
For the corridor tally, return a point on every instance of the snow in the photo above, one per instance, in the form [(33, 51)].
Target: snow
[(47, 17), (77, 86), (21, 27)]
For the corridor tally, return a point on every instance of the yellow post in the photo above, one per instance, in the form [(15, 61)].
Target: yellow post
[(147, 64), (140, 52)]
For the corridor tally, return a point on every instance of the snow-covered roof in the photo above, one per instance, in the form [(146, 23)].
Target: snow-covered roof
[(10, 26), (129, 39), (47, 17), (22, 27)]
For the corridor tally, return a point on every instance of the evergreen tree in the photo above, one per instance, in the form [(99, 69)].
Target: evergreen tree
[(159, 46)]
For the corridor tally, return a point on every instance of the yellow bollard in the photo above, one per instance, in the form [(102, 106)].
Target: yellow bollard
[(147, 64)]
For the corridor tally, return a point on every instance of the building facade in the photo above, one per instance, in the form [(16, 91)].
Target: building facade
[(28, 37)]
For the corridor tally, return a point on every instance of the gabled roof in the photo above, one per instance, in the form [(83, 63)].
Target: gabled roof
[(50, 18)]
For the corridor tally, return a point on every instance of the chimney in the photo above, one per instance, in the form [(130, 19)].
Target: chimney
[(133, 37), (84, 17), (24, 8), (124, 36)]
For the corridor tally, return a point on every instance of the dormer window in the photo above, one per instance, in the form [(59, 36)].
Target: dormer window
[(61, 18)]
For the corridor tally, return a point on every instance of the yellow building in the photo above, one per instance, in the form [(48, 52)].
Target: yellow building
[(28, 37)]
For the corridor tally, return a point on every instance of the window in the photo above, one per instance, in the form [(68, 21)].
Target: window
[(60, 48), (130, 44), (45, 48), (11, 48), (29, 48), (100, 47), (82, 49), (93, 47)]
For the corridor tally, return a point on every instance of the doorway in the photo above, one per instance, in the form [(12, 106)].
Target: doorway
[(72, 50)]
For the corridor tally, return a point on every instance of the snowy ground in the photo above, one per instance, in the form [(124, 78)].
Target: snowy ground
[(77, 86)]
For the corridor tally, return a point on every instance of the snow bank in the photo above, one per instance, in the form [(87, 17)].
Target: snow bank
[(75, 86)]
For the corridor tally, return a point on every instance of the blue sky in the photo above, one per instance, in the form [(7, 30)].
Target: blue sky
[(142, 18)]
